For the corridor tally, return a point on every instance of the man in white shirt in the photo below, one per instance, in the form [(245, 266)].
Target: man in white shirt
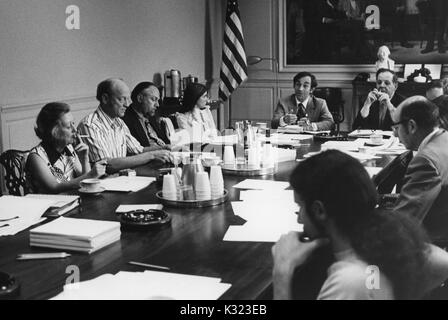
[(107, 135), (303, 106)]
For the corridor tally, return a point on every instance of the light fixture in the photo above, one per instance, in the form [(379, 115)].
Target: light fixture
[(251, 60)]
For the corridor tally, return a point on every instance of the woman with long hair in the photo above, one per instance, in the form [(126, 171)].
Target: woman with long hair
[(196, 114), (61, 160), (378, 255)]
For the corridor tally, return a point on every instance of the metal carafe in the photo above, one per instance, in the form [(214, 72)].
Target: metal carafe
[(172, 83), (189, 79), (191, 165)]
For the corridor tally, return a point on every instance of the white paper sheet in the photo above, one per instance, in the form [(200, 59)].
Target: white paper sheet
[(126, 183), (262, 184), (146, 285), (373, 170), (28, 210)]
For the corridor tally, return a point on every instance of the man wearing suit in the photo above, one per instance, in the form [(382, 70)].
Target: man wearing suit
[(424, 194), (145, 101), (380, 103), (302, 105)]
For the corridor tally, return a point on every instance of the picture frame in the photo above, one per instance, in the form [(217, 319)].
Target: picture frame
[(334, 50)]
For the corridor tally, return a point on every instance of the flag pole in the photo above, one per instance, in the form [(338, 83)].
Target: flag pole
[(230, 112)]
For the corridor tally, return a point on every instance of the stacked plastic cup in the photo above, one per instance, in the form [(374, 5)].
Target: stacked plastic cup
[(229, 155), (252, 157), (216, 182), (202, 186), (169, 189)]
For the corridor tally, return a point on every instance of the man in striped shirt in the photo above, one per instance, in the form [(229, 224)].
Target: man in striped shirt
[(108, 137)]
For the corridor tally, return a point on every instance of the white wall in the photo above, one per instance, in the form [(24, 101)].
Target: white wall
[(42, 61)]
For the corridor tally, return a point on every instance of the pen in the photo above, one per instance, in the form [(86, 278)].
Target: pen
[(82, 136), (148, 265), (50, 255)]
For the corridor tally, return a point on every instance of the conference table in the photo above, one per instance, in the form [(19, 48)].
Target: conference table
[(192, 244)]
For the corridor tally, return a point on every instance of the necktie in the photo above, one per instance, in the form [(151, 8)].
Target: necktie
[(301, 113), (152, 134)]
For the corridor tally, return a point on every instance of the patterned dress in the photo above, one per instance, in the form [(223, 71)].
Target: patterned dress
[(61, 165)]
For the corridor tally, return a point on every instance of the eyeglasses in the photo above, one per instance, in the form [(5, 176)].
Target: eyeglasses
[(396, 124)]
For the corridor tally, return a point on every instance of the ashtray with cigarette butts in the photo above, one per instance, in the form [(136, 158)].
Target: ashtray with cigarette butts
[(144, 218)]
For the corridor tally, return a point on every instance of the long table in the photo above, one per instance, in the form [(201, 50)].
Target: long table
[(191, 244)]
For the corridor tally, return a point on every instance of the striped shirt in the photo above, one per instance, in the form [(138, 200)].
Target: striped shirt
[(107, 137)]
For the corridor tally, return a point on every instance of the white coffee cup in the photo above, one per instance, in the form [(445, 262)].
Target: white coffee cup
[(90, 185), (376, 138), (169, 190)]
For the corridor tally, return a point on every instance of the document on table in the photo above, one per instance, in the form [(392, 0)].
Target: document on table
[(126, 183), (130, 207), (268, 215), (147, 285), (262, 184), (19, 213)]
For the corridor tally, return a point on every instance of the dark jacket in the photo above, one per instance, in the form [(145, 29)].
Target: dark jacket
[(372, 121)]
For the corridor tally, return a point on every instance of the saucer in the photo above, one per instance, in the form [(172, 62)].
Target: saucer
[(374, 144), (99, 190)]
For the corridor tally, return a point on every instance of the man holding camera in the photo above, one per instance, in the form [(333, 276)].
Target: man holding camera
[(380, 103)]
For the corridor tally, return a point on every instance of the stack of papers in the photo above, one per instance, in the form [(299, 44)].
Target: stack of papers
[(19, 213), (61, 205), (126, 183), (82, 235), (268, 214), (148, 285), (294, 128), (366, 133)]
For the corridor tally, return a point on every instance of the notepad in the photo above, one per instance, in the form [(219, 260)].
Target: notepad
[(61, 205), (82, 235)]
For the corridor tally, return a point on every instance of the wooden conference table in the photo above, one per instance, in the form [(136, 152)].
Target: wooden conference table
[(191, 244)]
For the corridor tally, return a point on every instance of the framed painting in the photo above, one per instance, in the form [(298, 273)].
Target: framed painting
[(350, 32)]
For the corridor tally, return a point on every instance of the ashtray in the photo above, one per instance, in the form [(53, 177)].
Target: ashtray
[(9, 287), (144, 218)]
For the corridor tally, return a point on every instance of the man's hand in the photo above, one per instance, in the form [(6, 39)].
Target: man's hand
[(289, 252), (163, 155), (290, 118), (98, 169)]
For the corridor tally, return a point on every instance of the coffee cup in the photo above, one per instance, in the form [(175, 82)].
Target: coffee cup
[(90, 185), (376, 138)]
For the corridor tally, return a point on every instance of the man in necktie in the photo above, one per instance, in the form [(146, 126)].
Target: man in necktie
[(145, 101), (303, 106)]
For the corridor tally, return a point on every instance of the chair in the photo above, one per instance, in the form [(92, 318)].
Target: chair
[(333, 96), (14, 162)]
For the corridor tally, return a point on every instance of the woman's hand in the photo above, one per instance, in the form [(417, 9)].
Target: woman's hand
[(82, 150)]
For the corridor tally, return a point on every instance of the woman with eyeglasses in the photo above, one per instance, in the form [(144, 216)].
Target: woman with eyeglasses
[(377, 255), (61, 160), (196, 116)]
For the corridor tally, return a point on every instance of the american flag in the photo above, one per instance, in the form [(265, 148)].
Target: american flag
[(234, 65)]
